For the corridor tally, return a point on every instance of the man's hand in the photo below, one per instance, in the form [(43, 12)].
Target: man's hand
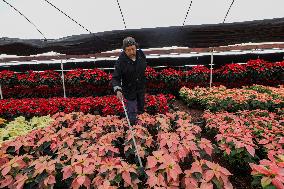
[(119, 95)]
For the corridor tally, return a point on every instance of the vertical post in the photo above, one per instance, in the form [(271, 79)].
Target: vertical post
[(211, 68), (63, 82), (186, 74), (1, 94)]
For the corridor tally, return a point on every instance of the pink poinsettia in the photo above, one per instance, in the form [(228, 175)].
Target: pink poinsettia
[(91, 151), (271, 171), (209, 171), (161, 163)]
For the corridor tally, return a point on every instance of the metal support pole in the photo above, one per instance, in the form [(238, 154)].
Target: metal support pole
[(63, 80), (211, 69), (186, 70), (1, 94)]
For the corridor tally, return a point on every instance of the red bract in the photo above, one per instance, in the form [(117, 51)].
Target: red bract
[(107, 105), (42, 91), (49, 78), (197, 74), (151, 74), (74, 74), (8, 78), (231, 72), (257, 64), (95, 76), (199, 69), (170, 75), (30, 78), (81, 82), (261, 70), (159, 103)]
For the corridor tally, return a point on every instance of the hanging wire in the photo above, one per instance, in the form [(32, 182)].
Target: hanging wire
[(228, 11), (25, 18), (95, 36), (68, 16), (121, 13), (187, 13)]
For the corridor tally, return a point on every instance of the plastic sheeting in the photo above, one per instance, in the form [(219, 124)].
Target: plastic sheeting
[(271, 30)]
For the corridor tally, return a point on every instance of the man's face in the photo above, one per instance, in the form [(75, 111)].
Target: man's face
[(131, 51)]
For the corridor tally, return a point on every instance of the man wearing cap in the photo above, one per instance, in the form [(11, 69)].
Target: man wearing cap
[(128, 78)]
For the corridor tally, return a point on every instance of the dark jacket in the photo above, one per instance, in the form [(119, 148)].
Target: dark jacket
[(129, 75)]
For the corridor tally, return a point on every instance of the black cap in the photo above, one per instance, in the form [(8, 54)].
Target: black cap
[(128, 41)]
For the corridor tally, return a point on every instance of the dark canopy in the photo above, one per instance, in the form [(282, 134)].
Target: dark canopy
[(271, 30)]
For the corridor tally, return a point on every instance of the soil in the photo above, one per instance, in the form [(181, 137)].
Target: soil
[(241, 179), (196, 114)]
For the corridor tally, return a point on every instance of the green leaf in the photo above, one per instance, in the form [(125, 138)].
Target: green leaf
[(270, 187), (256, 181), (29, 171), (197, 175), (26, 159), (217, 183), (10, 149), (30, 185), (58, 166), (141, 171), (117, 178), (41, 177), (45, 145), (133, 176)]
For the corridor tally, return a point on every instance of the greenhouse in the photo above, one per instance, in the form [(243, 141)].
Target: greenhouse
[(142, 94)]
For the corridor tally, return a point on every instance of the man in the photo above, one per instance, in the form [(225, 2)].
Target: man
[(128, 78)]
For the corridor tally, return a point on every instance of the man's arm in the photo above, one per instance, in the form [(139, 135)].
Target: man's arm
[(116, 80), (116, 77)]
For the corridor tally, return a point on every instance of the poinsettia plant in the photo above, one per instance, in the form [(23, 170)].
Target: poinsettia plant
[(151, 74), (207, 175), (8, 78), (75, 77), (30, 78), (258, 68), (270, 173), (245, 136), (21, 126), (90, 151), (231, 72), (96, 77), (198, 74), (143, 139), (221, 98), (162, 170), (170, 75), (49, 78), (81, 82), (107, 105)]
